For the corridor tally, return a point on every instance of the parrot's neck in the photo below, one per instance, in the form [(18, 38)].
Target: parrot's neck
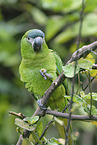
[(38, 59)]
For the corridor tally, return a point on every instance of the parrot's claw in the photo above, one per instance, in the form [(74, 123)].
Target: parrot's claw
[(41, 106), (45, 74)]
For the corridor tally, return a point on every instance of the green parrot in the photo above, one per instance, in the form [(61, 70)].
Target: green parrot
[(39, 67)]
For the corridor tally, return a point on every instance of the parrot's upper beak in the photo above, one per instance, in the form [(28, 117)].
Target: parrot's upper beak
[(37, 44)]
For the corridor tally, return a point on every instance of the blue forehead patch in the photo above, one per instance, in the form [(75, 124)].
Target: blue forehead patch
[(36, 33)]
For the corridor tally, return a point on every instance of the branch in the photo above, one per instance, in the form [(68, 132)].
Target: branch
[(73, 117), (83, 52), (19, 115)]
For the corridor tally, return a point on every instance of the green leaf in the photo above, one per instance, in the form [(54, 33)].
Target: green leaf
[(69, 70), (31, 120), (76, 98), (39, 128), (53, 141), (88, 96), (34, 138), (86, 103), (25, 141), (87, 109), (90, 58), (94, 110), (93, 72), (24, 124), (82, 94), (59, 121), (94, 123), (31, 139), (84, 63)]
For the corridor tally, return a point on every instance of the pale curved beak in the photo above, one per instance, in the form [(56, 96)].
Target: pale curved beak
[(37, 44)]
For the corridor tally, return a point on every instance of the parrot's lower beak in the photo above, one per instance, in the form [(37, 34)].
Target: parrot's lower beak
[(37, 44)]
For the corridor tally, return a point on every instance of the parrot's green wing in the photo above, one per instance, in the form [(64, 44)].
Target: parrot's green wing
[(59, 63), (59, 69)]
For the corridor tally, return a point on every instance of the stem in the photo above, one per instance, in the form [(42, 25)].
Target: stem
[(73, 80), (88, 84), (51, 121), (73, 116), (90, 94)]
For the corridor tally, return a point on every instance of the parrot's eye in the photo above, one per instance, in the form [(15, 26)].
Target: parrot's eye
[(29, 39)]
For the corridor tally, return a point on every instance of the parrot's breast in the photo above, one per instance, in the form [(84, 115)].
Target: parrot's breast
[(30, 73), (35, 82)]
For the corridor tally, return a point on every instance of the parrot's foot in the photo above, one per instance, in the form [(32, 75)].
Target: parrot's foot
[(45, 74), (41, 106)]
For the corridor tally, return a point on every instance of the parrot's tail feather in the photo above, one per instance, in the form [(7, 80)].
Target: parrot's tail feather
[(62, 130)]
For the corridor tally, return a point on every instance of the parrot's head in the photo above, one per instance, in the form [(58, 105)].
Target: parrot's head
[(32, 43)]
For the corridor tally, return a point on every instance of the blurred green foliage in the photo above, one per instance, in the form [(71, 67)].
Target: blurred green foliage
[(60, 20)]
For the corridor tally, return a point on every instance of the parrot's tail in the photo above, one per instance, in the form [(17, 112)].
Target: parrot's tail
[(58, 101), (61, 128)]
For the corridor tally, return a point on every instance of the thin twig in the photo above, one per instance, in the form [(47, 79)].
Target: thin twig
[(90, 94), (88, 84), (79, 83), (66, 107), (20, 140), (50, 122), (73, 80), (19, 115)]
